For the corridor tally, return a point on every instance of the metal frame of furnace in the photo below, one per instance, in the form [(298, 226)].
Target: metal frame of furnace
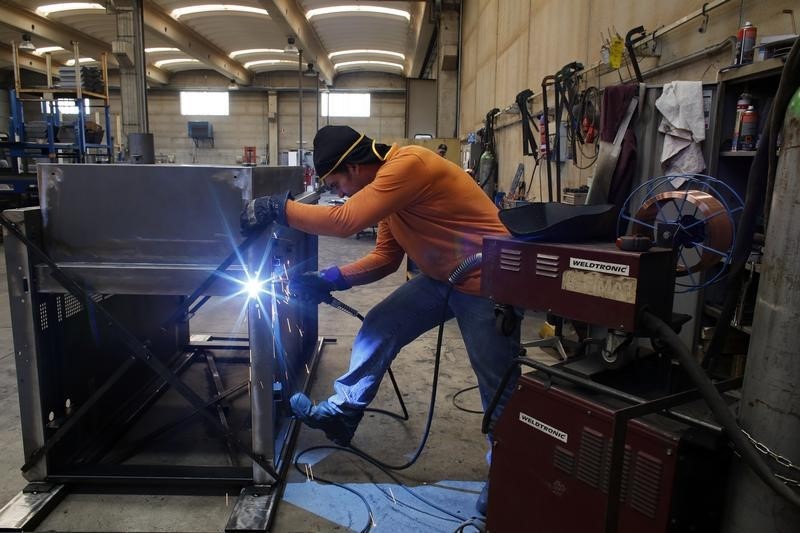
[(142, 237)]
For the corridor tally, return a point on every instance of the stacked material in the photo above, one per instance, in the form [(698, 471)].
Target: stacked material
[(89, 78), (69, 80), (92, 79), (36, 131)]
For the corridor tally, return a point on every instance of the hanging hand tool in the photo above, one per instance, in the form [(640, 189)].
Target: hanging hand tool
[(567, 85), (631, 38), (564, 88), (528, 142), (546, 82)]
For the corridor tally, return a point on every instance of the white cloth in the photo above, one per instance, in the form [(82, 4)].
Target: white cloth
[(683, 126)]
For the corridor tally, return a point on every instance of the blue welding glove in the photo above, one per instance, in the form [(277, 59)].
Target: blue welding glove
[(261, 212), (316, 287)]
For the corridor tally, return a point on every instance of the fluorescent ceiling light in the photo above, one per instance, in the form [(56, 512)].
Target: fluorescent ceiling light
[(66, 6), (359, 63), (165, 62), (82, 60), (161, 49), (376, 52), (48, 49), (208, 8), (331, 10), (249, 51), (269, 62)]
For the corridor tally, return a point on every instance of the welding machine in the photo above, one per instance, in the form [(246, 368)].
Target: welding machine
[(551, 460), (570, 451), (595, 283)]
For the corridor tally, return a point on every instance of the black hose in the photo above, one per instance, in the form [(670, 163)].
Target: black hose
[(760, 181), (463, 267), (753, 204), (434, 387), (722, 413)]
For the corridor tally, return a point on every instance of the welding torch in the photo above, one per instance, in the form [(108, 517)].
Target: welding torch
[(341, 306)]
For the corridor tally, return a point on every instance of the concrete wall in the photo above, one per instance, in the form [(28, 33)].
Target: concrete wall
[(250, 114), (510, 45)]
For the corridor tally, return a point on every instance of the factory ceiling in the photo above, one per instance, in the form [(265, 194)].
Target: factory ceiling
[(237, 39)]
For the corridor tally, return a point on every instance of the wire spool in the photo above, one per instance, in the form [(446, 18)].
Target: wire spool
[(695, 215)]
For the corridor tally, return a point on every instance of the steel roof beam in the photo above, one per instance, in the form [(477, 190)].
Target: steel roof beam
[(194, 45), (290, 16), (25, 21), (29, 62), (419, 38)]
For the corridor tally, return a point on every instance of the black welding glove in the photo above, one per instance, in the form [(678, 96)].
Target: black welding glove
[(261, 212), (316, 287)]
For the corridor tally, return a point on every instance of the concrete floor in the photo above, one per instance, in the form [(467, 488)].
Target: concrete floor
[(450, 471)]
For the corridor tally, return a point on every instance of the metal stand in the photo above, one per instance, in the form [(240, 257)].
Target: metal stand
[(123, 335), (548, 342), (31, 506)]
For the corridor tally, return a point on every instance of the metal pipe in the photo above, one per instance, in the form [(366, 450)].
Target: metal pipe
[(655, 35), (140, 65), (300, 104), (708, 51), (704, 10)]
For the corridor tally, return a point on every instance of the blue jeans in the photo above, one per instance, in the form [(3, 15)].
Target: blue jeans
[(411, 310)]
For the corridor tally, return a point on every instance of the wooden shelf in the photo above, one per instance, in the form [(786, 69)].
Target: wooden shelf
[(61, 92)]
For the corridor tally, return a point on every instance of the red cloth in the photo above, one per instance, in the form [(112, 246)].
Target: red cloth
[(615, 103)]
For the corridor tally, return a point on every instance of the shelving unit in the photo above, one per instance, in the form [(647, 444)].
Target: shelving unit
[(760, 80), (22, 147)]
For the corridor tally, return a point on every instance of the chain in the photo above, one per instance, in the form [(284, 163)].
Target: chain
[(778, 458)]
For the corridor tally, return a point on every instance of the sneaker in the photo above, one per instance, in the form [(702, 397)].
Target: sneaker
[(338, 423), (482, 505)]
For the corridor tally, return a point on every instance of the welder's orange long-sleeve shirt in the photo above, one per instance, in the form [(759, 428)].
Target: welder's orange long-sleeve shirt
[(425, 206)]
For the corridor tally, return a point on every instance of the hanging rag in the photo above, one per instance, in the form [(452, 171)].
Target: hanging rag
[(616, 163), (683, 126)]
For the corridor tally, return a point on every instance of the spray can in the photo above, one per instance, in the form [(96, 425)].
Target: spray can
[(749, 131), (543, 148), (745, 100), (746, 43)]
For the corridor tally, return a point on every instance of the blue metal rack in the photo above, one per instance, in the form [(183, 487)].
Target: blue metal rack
[(20, 145)]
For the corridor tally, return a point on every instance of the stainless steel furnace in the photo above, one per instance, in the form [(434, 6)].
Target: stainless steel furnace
[(114, 388)]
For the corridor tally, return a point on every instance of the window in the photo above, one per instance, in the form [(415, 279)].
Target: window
[(204, 103), (65, 106), (344, 104)]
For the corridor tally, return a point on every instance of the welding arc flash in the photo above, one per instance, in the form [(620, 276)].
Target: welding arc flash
[(253, 287)]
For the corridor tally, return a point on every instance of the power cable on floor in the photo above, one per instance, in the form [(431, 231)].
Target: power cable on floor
[(465, 266), (451, 517), (462, 391)]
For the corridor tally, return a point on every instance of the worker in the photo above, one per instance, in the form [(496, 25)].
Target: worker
[(442, 150), (424, 207)]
